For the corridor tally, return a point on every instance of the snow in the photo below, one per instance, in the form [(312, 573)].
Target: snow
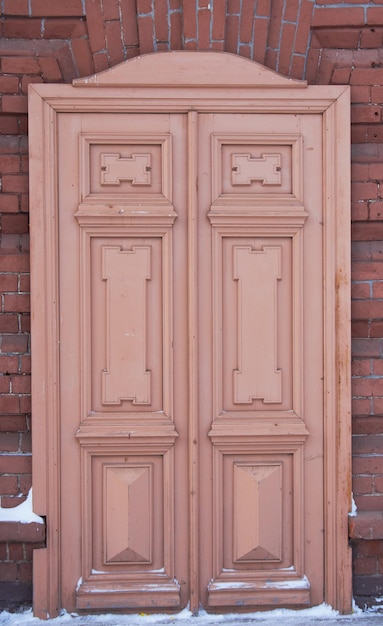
[(22, 513), (322, 614)]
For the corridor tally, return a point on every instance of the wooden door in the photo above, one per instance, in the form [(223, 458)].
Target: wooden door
[(192, 446)]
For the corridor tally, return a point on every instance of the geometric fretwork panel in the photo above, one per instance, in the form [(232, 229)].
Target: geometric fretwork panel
[(257, 512), (128, 514)]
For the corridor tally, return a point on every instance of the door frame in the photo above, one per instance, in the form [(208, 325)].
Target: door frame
[(192, 83)]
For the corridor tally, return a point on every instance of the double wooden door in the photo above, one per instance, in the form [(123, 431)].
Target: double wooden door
[(191, 359), (190, 303)]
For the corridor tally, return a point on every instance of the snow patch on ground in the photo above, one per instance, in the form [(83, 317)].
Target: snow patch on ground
[(316, 615), (23, 513)]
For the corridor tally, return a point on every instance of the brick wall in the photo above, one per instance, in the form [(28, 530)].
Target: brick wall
[(324, 42)]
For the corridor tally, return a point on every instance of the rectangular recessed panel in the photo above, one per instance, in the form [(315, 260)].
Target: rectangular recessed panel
[(257, 512), (126, 313), (257, 507), (128, 513), (257, 321)]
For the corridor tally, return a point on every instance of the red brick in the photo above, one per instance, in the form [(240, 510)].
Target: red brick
[(15, 182), (190, 21), (9, 203), (22, 28), (375, 16), (9, 84), (359, 210), (16, 7), (25, 364), (233, 6), (161, 26), (16, 552), (373, 502), (369, 424), (369, 114), (365, 566), (175, 31), (8, 571), (362, 484), (366, 347), (9, 124), (360, 328), (362, 94), (17, 303), (84, 59), (8, 323), (21, 384), (246, 21), (377, 94), (20, 65), (361, 407), (25, 404), (24, 572), (145, 29), (367, 76), (25, 481), (50, 69), (377, 291), (218, 20), (10, 502), (367, 464), (42, 8), (14, 223), (25, 446), (286, 48), (16, 464), (297, 67), (338, 17), (13, 423), (366, 231), (260, 39), (111, 10), (114, 42), (14, 262), (129, 22), (95, 25), (204, 20), (144, 6), (367, 309), (64, 28), (341, 76), (8, 282), (8, 484), (360, 291), (14, 343), (303, 27), (232, 34), (275, 24)]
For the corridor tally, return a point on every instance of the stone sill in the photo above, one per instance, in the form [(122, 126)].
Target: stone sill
[(367, 525), (18, 532)]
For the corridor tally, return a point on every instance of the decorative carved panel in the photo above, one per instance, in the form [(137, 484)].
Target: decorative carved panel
[(258, 294), (245, 169), (125, 375), (248, 166), (124, 167), (258, 375), (126, 300), (136, 169)]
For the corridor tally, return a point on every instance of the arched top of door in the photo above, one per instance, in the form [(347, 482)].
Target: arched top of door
[(182, 68)]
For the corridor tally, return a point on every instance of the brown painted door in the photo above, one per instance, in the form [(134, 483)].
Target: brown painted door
[(191, 360)]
